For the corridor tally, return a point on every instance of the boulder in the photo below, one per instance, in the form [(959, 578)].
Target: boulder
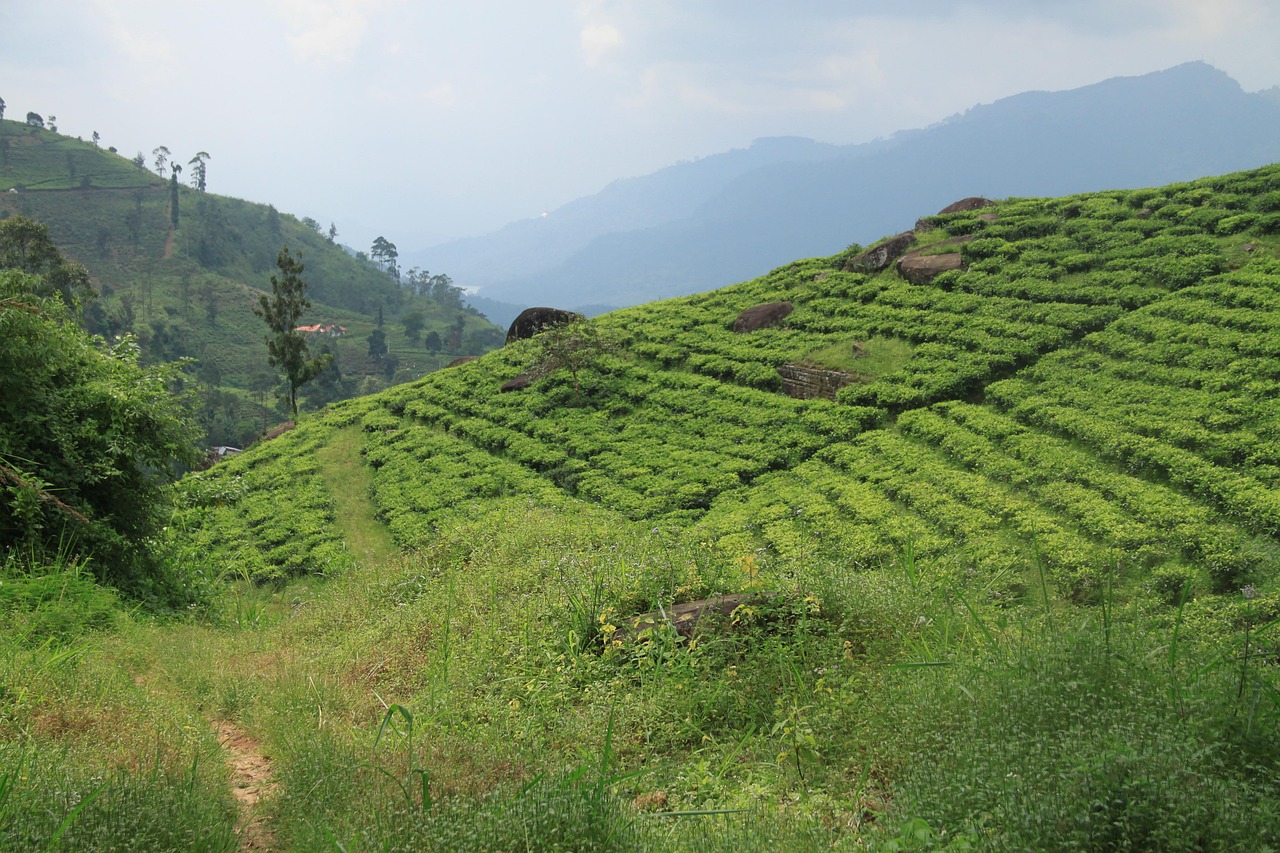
[(923, 269), (518, 383), (964, 204), (810, 383), (764, 316), (533, 321), (880, 256), (684, 618)]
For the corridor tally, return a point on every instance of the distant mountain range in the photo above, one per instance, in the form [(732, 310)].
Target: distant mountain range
[(700, 225)]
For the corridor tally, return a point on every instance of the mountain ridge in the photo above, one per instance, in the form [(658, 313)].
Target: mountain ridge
[(1179, 123)]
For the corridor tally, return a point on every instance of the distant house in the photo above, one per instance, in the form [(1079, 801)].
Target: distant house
[(330, 329), (219, 453)]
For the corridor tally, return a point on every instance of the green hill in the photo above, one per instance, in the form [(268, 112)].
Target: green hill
[(1013, 586), (188, 291)]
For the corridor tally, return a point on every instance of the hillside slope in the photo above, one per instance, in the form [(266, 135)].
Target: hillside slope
[(188, 291), (1017, 583), (1172, 125), (1129, 338), (1015, 586)]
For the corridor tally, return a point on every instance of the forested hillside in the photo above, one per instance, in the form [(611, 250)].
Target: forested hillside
[(966, 541), (181, 268)]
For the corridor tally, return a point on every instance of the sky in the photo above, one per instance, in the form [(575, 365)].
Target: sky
[(423, 120)]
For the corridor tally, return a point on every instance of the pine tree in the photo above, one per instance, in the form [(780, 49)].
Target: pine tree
[(286, 347)]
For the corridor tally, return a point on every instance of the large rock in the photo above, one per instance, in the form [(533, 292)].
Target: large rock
[(966, 204), (518, 383), (922, 269), (534, 321), (961, 206), (686, 618), (919, 268), (880, 256), (764, 316), (809, 383)]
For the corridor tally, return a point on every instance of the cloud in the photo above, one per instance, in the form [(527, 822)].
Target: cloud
[(599, 40), (326, 32)]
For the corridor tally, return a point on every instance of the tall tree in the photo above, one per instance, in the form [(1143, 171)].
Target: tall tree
[(333, 233), (286, 347), (173, 195), (162, 157), (35, 119), (384, 254), (377, 344), (1, 108), (53, 123), (96, 139), (199, 171)]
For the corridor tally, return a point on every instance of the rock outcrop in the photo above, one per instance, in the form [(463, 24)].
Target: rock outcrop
[(922, 269), (811, 383), (919, 268), (961, 206), (518, 383), (533, 321), (881, 255), (764, 316)]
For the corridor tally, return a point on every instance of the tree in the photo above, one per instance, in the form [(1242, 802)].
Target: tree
[(286, 347), (312, 224), (162, 157), (199, 171), (25, 245), (88, 439), (1, 108), (35, 120), (96, 139), (53, 123), (433, 342), (413, 322), (173, 195), (333, 233), (573, 347), (443, 291), (377, 344), (384, 254), (139, 160)]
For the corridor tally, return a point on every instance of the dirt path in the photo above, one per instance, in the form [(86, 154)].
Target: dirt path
[(251, 780), (169, 243)]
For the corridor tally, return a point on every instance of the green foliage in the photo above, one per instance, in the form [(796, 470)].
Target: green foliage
[(182, 291), (1073, 740), (89, 438)]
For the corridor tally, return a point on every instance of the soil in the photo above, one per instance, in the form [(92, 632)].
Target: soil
[(251, 779)]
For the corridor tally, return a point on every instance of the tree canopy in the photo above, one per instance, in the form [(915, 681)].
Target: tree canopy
[(88, 439)]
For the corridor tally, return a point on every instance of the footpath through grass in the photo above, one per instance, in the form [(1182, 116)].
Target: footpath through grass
[(349, 483)]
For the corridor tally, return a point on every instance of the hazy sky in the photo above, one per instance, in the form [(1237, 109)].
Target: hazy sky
[(423, 120)]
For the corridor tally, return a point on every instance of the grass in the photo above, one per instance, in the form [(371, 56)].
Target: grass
[(349, 483), (873, 358), (973, 631)]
